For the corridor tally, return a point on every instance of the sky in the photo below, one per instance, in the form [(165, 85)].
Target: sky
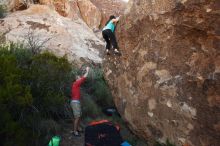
[(125, 0)]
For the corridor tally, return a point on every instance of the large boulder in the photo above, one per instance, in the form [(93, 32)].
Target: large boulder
[(90, 13), (166, 84), (61, 35)]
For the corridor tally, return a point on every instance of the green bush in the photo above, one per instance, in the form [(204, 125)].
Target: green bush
[(33, 95), (168, 143), (14, 98), (90, 107), (48, 76), (2, 11), (98, 89), (102, 94)]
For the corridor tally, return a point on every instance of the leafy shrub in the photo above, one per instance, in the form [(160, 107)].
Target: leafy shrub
[(47, 129), (90, 107), (33, 94), (98, 88), (48, 76), (102, 94), (14, 98)]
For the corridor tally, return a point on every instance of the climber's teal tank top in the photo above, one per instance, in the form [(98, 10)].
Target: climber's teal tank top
[(110, 26)]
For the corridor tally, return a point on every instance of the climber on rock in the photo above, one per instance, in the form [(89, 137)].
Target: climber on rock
[(109, 36), (75, 102)]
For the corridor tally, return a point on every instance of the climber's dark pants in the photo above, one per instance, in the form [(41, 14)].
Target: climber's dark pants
[(110, 38)]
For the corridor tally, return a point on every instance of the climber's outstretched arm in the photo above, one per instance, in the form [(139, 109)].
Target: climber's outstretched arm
[(116, 19)]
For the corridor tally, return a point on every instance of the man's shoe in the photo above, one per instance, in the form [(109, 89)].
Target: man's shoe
[(76, 134)]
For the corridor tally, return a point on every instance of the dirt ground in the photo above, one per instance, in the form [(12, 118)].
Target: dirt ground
[(68, 139)]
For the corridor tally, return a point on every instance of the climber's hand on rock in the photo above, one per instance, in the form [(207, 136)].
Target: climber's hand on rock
[(87, 69)]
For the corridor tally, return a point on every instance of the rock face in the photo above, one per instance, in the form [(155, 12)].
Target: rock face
[(14, 5), (67, 8), (74, 9), (62, 35), (166, 84), (46, 2), (108, 8), (90, 13)]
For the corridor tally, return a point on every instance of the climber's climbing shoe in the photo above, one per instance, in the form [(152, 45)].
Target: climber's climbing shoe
[(107, 52), (116, 52)]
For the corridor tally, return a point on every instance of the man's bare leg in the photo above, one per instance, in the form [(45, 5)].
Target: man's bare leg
[(76, 124)]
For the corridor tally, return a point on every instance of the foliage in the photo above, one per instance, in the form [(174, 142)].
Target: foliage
[(50, 75), (2, 11), (97, 88), (90, 108), (14, 98), (168, 143), (33, 94)]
